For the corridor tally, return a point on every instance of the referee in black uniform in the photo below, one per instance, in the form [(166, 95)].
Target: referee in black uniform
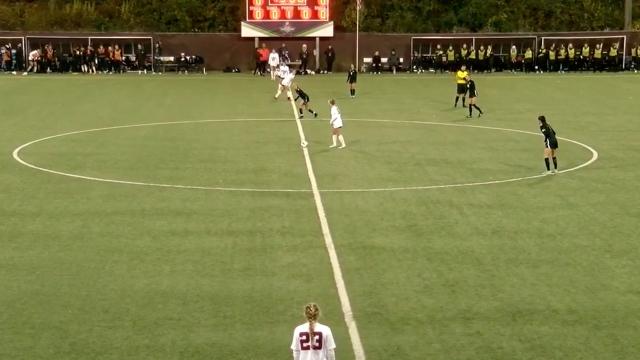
[(300, 94), (352, 79), (550, 144)]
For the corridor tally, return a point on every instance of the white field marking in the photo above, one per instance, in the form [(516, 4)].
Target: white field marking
[(354, 335), (594, 157), (16, 156)]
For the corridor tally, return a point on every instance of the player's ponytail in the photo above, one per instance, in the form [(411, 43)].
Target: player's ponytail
[(312, 313)]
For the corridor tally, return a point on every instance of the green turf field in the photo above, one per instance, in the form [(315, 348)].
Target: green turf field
[(540, 268)]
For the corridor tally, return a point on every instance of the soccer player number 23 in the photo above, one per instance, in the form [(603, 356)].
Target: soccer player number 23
[(306, 344)]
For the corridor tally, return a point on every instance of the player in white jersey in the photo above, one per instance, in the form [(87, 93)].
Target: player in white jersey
[(336, 125), (34, 57), (285, 84), (312, 340), (274, 60)]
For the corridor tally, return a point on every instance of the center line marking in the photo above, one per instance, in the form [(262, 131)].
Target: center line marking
[(349, 319)]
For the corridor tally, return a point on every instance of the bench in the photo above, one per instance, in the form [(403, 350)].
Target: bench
[(366, 63)]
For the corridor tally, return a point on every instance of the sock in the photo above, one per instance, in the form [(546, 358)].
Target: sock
[(334, 139), (477, 108), (463, 99), (279, 92), (354, 92), (546, 163), (555, 163), (470, 110), (457, 98), (341, 138), (300, 111)]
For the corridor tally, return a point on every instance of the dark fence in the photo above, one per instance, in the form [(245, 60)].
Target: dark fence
[(230, 50)]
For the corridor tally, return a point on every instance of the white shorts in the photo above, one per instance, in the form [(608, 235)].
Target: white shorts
[(336, 124)]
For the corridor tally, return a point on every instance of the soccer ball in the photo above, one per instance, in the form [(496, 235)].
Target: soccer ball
[(304, 143)]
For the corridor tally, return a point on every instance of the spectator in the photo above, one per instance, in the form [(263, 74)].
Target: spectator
[(102, 58), (304, 59), (284, 54), (513, 58), (157, 55), (542, 60), (330, 57), (257, 56), (183, 63), (19, 66), (117, 59), (91, 60), (109, 59), (440, 59), (553, 55), (264, 58), (141, 58), (6, 57), (571, 52), (393, 61), (562, 59), (376, 63)]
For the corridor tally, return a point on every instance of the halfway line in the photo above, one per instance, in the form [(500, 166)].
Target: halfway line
[(349, 319)]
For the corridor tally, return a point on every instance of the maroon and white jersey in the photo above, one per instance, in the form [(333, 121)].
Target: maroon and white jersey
[(316, 348), (34, 55)]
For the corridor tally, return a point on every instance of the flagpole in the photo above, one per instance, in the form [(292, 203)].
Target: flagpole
[(357, 34)]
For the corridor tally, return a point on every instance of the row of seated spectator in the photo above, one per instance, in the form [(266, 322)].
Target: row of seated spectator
[(556, 58), (376, 64)]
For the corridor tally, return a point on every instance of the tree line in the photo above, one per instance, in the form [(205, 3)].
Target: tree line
[(389, 16)]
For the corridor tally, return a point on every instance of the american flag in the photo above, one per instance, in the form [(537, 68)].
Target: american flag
[(359, 4)]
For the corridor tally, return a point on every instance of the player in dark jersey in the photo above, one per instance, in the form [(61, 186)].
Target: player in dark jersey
[(300, 94), (352, 78), (550, 144), (473, 95)]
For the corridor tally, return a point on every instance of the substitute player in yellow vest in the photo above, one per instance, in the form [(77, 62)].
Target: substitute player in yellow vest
[(481, 56), (451, 57), (613, 57), (528, 60), (635, 52), (571, 51), (585, 57), (541, 62), (597, 58), (461, 85), (471, 59), (552, 57)]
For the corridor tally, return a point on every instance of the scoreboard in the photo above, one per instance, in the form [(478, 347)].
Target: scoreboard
[(288, 10), (287, 18)]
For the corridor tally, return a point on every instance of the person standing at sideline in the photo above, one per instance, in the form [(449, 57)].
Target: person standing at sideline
[(336, 125), (312, 340), (550, 144), (274, 61), (352, 79), (330, 56)]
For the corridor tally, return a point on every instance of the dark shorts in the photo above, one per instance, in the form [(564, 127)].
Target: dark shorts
[(352, 81), (462, 88), (305, 100), (472, 96), (551, 144)]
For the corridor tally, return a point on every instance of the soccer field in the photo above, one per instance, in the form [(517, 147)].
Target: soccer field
[(173, 218)]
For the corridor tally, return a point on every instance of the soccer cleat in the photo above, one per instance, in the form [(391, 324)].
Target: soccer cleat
[(315, 114), (342, 147), (554, 171), (480, 114), (546, 172), (332, 146), (300, 116), (469, 116)]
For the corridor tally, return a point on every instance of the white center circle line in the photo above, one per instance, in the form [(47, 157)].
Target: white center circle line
[(16, 156)]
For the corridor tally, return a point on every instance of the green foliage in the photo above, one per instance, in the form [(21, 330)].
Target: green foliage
[(376, 15)]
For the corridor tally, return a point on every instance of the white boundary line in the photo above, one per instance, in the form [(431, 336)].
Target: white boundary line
[(16, 156), (354, 335)]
